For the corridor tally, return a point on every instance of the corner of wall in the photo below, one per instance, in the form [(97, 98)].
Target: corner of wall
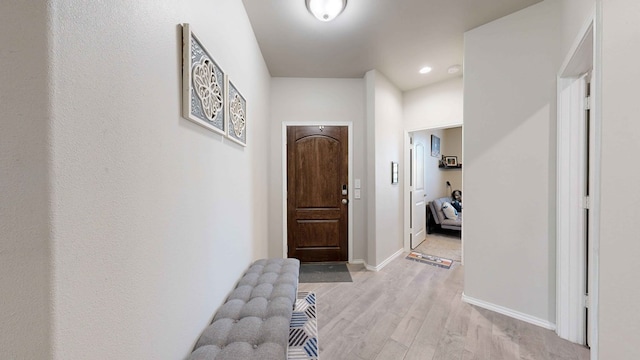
[(25, 181), (370, 144)]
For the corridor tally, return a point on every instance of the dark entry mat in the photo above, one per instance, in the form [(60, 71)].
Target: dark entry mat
[(319, 273)]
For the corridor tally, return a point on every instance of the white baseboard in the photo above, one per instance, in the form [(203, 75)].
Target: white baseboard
[(509, 312), (357, 262), (385, 262)]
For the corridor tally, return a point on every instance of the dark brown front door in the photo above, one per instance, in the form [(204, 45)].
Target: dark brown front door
[(317, 209)]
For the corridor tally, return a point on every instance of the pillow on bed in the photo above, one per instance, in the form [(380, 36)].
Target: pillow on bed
[(449, 211)]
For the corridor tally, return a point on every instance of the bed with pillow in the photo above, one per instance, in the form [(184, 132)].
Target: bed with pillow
[(443, 215)]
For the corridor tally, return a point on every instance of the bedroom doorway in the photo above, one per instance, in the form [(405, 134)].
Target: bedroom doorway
[(426, 179)]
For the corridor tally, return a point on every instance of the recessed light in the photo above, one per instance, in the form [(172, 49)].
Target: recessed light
[(453, 69), (425, 70)]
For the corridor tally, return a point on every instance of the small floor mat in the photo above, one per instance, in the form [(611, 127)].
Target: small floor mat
[(430, 259), (322, 273)]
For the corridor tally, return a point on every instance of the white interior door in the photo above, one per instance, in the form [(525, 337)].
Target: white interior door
[(589, 216), (419, 220), (577, 200)]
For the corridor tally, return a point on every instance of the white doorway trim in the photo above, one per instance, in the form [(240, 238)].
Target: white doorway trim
[(571, 224), (285, 124)]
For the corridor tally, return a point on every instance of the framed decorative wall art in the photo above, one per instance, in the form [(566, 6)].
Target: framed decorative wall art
[(203, 84), (435, 146), (236, 115)]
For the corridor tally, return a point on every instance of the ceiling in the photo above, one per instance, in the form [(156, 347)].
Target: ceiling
[(396, 37)]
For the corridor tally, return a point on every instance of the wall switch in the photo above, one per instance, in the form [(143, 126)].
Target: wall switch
[(356, 193), (357, 184)]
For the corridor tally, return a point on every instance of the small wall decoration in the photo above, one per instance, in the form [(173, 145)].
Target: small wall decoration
[(236, 115), (394, 172), (203, 84), (435, 146), (450, 161)]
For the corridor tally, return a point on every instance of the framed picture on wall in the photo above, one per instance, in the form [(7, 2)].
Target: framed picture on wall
[(450, 161), (203, 84), (435, 146), (236, 115), (394, 172)]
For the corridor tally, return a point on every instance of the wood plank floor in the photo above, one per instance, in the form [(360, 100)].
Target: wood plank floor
[(413, 311)]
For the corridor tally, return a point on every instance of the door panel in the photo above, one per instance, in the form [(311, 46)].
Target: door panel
[(317, 170), (315, 160), (315, 233), (419, 211)]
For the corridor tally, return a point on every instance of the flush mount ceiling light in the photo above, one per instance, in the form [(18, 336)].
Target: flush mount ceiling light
[(326, 10), (425, 70)]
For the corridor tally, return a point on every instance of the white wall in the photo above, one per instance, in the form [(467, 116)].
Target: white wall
[(316, 101), (452, 146), (509, 161), (438, 106), (24, 179), (619, 246), (574, 15), (154, 217), (385, 143), (435, 106)]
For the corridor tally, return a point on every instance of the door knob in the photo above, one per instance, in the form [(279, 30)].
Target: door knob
[(345, 201)]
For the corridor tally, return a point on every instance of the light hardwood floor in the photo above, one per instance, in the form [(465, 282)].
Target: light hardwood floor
[(413, 311)]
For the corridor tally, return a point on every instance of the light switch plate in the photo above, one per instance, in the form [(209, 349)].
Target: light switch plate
[(356, 193), (357, 184)]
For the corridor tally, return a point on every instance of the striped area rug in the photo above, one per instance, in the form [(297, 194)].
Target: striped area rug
[(303, 330)]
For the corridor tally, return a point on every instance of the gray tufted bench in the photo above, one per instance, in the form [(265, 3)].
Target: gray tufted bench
[(253, 324)]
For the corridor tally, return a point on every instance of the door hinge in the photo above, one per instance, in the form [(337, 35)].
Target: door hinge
[(586, 203), (587, 103), (585, 300)]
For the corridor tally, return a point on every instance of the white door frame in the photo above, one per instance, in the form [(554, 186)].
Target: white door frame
[(285, 217), (570, 250)]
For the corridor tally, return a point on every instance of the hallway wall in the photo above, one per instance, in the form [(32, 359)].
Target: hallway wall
[(385, 143), (435, 106), (619, 246), (509, 162), (154, 217), (315, 101)]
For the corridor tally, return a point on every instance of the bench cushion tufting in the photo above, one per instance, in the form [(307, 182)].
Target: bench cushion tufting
[(254, 321)]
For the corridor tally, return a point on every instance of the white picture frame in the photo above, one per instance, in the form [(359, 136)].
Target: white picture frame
[(236, 108), (203, 85), (451, 161)]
